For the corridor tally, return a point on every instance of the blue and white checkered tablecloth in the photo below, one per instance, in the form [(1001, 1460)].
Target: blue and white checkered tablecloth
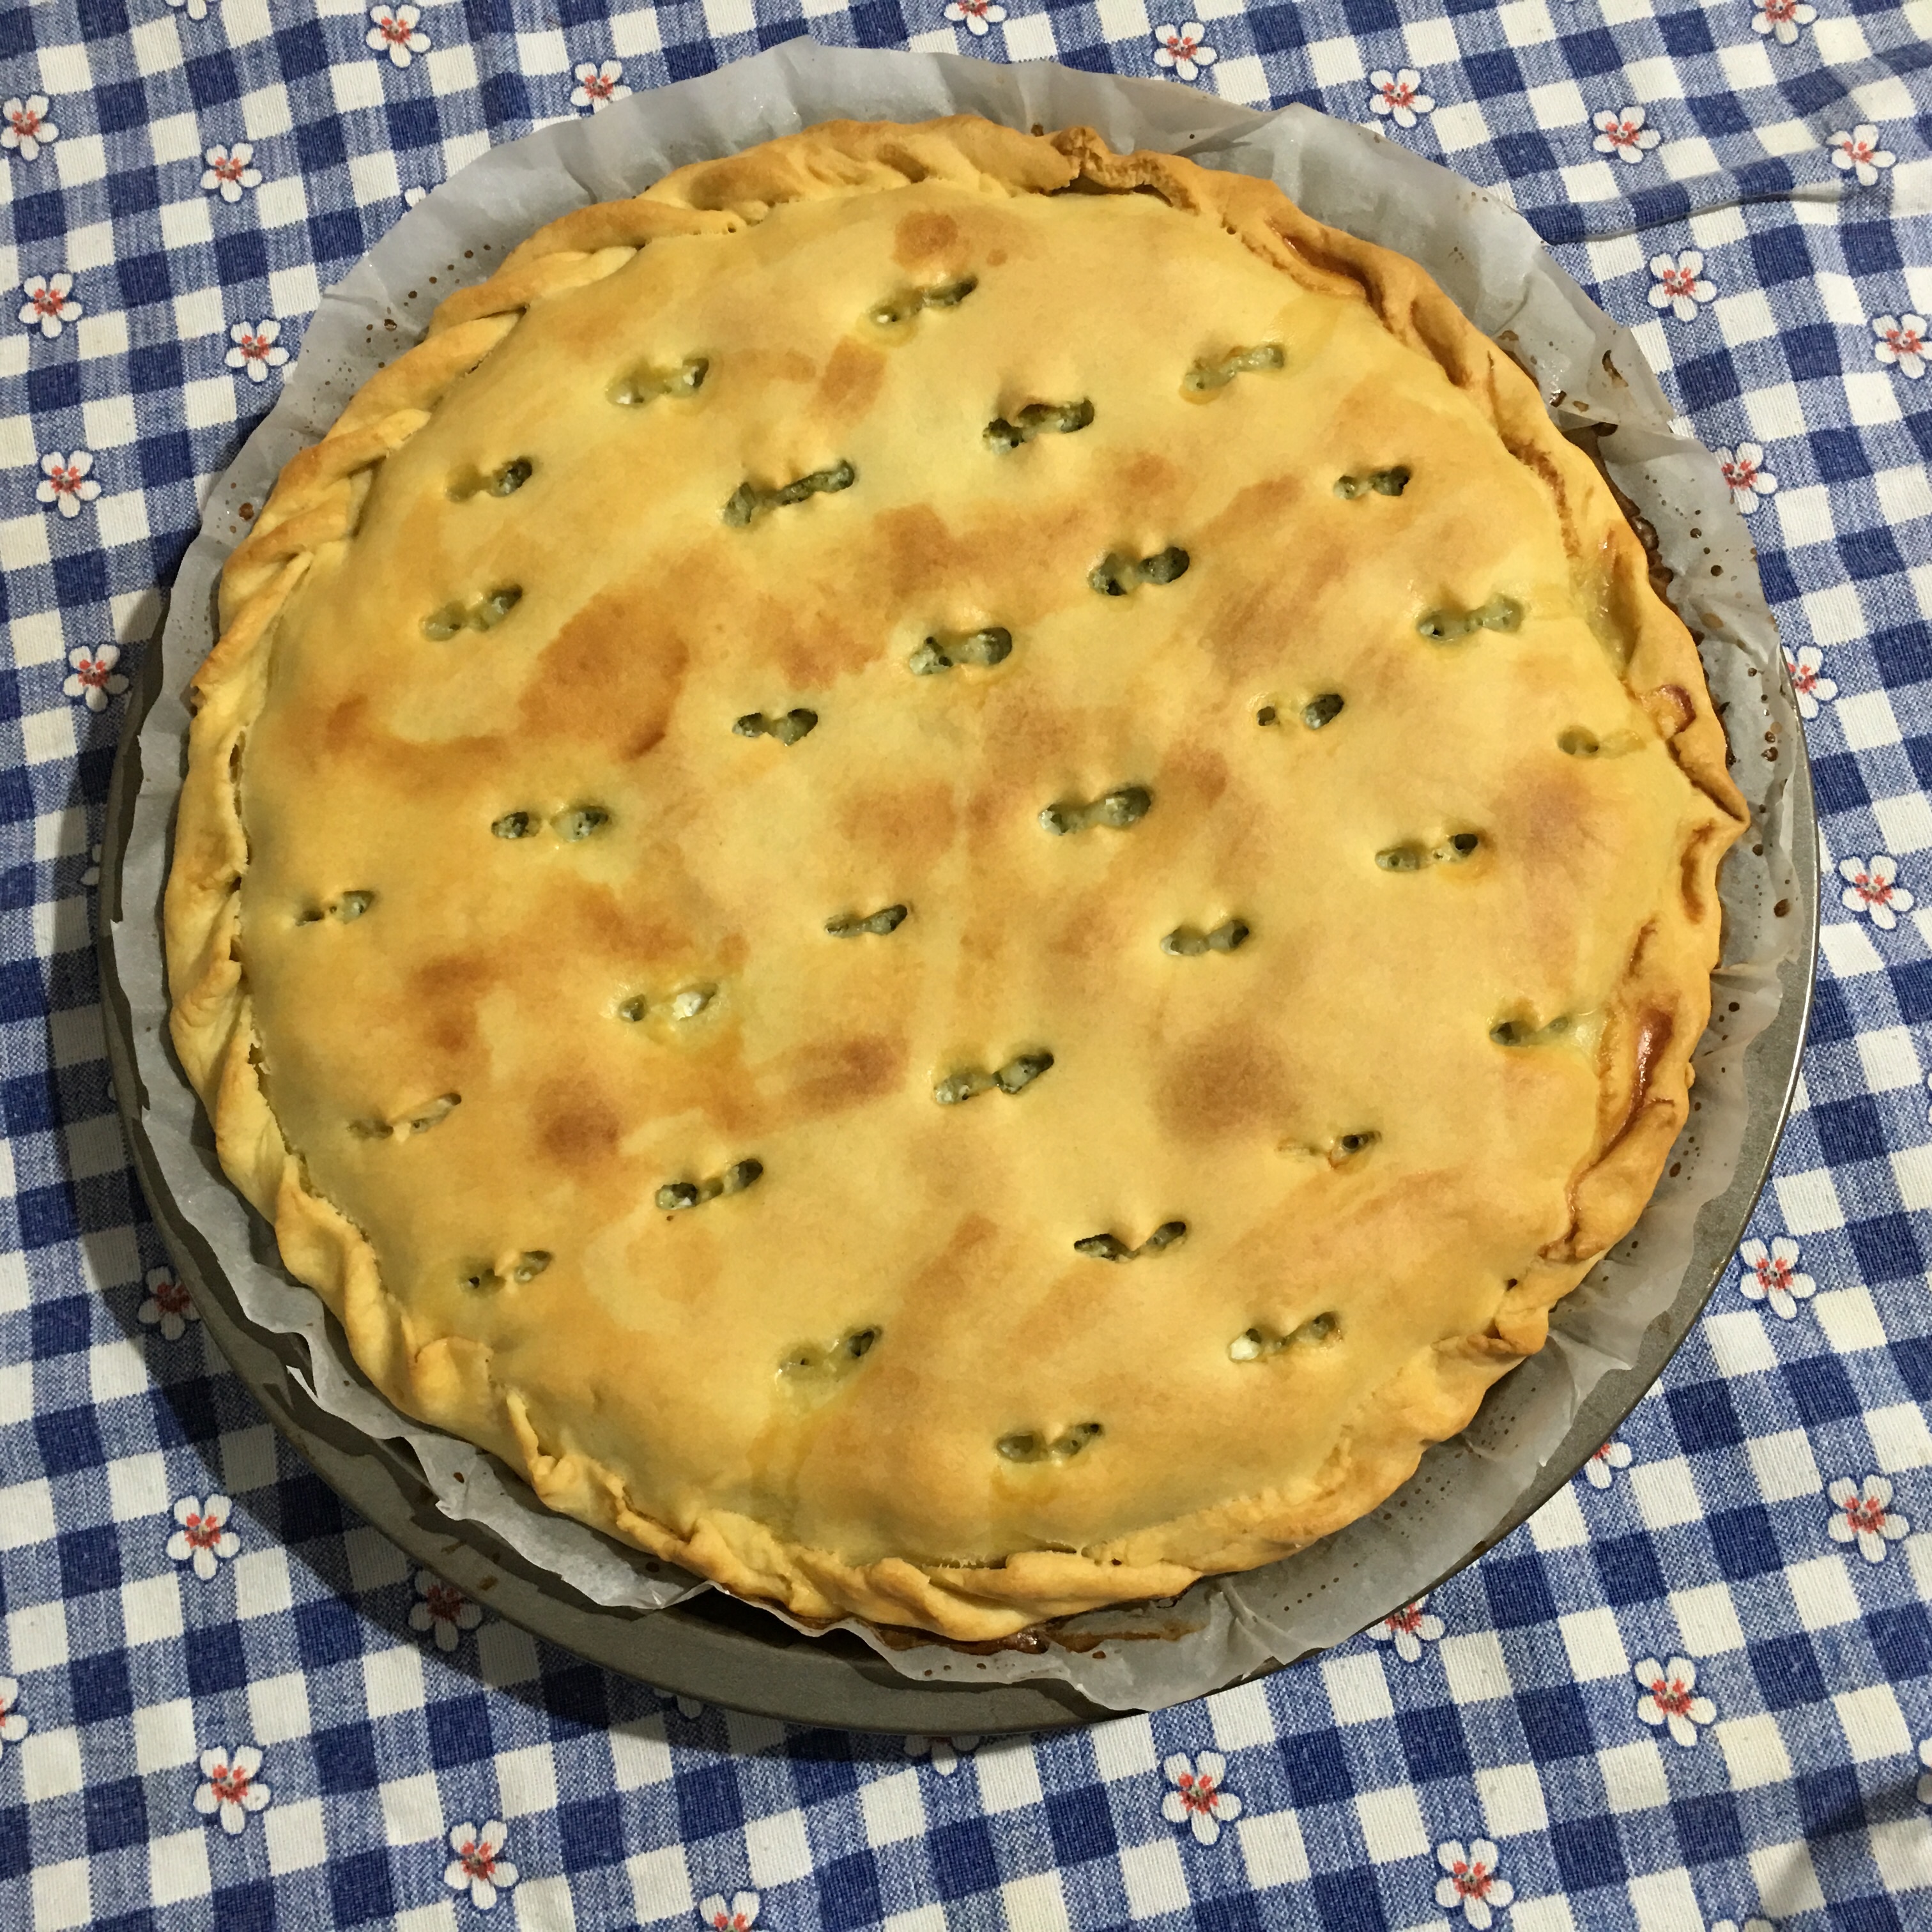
[(1694, 1692)]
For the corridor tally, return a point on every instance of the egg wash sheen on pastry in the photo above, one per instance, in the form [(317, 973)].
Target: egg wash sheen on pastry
[(953, 874)]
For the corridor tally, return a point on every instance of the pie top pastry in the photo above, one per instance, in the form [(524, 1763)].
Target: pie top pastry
[(951, 873)]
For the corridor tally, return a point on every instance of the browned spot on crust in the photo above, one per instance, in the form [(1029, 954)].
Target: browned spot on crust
[(345, 728), (829, 1076), (445, 994), (918, 237), (1543, 466), (1223, 1085), (616, 926), (1198, 773), (1695, 868), (1145, 478), (816, 643), (916, 550), (852, 378), (751, 364), (575, 1125), (906, 826), (609, 678), (1654, 1026), (1250, 632), (1673, 707)]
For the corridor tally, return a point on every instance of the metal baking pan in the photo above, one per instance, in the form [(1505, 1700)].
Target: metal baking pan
[(713, 1647)]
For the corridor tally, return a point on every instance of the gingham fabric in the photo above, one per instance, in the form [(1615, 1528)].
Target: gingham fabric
[(1695, 1692)]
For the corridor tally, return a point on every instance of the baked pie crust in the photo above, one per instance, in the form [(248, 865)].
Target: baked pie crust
[(951, 873)]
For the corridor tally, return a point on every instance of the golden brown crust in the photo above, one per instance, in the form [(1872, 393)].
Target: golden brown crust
[(676, 1379)]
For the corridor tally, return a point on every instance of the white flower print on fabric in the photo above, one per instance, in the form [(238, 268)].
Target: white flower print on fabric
[(195, 9), (1400, 95), (1871, 885), (231, 1788), (1901, 343), (444, 1610), (740, 1915), (413, 197), (256, 349), (1624, 135), (229, 172), (1184, 49), (597, 86), (13, 1723), (1750, 1925), (1807, 686), (167, 1307), (1408, 1629), (1598, 1470), (978, 15), (945, 1753), (396, 33), (49, 303), (204, 1535), (1197, 1799), (93, 680), (1856, 151), (1472, 1882), (478, 1868), (1680, 286), (1783, 18), (1669, 1698), (1925, 1781), (1862, 1513), (91, 876), (1744, 470), (65, 483), (26, 128), (1770, 1274)]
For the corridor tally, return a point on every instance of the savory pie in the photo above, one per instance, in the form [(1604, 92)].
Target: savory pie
[(951, 873)]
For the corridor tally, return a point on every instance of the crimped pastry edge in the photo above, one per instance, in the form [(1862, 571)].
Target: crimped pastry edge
[(1655, 1020)]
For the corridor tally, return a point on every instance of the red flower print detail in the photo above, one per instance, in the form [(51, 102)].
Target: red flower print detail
[(1184, 49), (1855, 151), (1472, 1882), (1624, 134), (65, 482), (168, 1306), (479, 1868), (597, 86), (1198, 1800), (445, 1610), (24, 126), (1744, 470), (1871, 885), (50, 303), (95, 680), (1670, 1698), (1863, 1514), (1902, 343), (1408, 1629), (1770, 1274), (395, 33), (1783, 18), (1398, 97), (231, 1788), (204, 1536)]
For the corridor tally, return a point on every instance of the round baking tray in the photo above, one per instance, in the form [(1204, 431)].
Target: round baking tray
[(713, 1647)]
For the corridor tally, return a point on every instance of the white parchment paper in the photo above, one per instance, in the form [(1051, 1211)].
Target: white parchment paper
[(1491, 263)]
